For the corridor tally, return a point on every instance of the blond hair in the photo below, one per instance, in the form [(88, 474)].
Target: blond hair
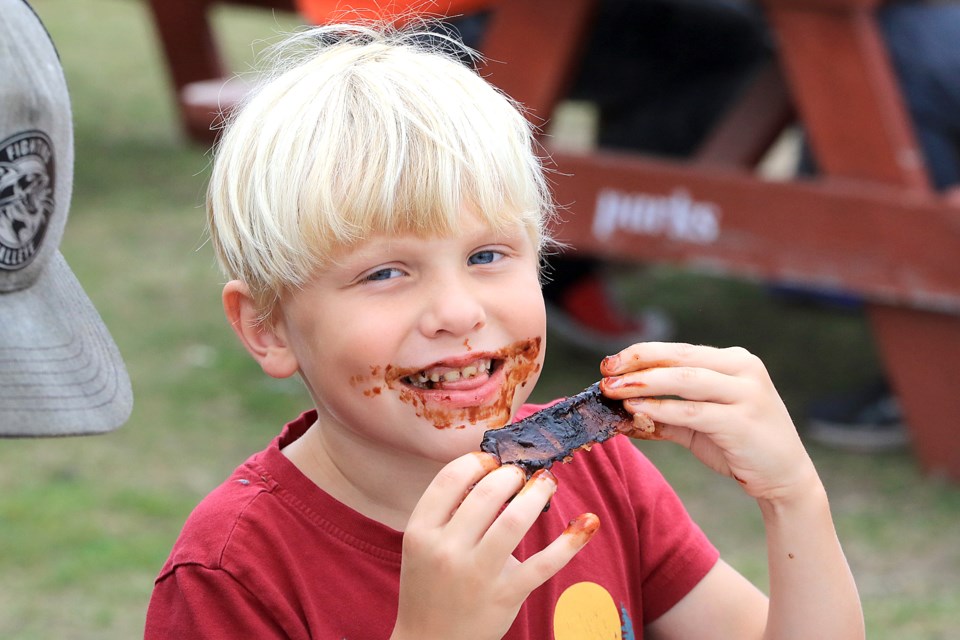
[(365, 130)]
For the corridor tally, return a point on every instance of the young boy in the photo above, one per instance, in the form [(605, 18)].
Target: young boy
[(380, 211)]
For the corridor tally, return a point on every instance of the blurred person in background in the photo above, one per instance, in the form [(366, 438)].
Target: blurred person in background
[(923, 40)]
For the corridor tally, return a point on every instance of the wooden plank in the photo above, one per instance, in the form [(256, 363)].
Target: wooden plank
[(834, 233)]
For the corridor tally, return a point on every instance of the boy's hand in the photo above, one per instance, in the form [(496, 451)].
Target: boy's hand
[(458, 577), (720, 404)]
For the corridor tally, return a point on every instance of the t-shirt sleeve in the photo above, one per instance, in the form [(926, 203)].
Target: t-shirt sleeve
[(198, 602), (675, 554)]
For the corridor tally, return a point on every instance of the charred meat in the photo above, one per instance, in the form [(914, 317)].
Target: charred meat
[(555, 433)]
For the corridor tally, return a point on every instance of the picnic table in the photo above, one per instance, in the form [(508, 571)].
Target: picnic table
[(868, 224)]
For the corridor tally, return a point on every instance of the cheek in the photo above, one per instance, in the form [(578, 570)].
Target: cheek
[(358, 363), (335, 353), (528, 316), (536, 314), (521, 301)]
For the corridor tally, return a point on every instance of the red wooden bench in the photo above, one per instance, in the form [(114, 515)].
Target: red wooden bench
[(869, 224)]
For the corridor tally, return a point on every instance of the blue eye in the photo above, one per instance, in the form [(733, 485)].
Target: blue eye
[(383, 274), (484, 257)]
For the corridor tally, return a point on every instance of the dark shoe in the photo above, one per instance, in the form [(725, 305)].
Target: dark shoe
[(868, 421), (589, 317)]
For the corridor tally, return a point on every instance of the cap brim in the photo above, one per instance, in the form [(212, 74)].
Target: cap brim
[(61, 373)]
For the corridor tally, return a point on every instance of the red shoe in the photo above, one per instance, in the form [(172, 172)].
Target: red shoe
[(590, 318)]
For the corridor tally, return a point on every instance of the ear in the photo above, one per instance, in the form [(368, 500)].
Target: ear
[(265, 342)]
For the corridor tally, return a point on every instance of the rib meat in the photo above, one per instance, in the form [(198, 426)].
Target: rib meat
[(555, 433)]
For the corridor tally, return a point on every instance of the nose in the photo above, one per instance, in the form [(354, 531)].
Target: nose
[(455, 306)]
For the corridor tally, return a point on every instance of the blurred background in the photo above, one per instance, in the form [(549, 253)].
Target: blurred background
[(86, 523)]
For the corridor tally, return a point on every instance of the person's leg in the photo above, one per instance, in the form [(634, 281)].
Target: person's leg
[(923, 40), (924, 44)]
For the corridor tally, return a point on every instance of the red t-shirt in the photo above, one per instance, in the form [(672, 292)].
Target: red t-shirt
[(268, 554)]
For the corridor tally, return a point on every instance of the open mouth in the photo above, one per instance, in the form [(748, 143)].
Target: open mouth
[(441, 377)]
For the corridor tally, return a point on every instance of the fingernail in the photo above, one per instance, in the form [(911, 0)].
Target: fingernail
[(611, 383), (610, 363), (539, 475), (544, 474), (583, 527)]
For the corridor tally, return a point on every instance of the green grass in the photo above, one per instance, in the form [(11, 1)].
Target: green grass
[(85, 523)]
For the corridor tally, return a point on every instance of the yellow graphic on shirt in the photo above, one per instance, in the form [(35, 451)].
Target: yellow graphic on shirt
[(586, 611)]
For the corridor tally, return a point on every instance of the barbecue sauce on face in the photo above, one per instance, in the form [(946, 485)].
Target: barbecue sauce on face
[(518, 361)]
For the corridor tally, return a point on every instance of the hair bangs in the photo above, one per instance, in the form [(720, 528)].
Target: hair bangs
[(402, 164)]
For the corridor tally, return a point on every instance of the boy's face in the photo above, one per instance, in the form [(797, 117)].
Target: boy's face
[(418, 345)]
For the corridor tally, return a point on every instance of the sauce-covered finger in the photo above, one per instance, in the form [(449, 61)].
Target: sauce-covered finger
[(647, 355), (447, 490), (484, 501)]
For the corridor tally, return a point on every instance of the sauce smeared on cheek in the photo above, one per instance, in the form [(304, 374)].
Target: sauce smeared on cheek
[(518, 362), (357, 380)]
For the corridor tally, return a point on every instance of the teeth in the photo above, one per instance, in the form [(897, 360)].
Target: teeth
[(469, 371)]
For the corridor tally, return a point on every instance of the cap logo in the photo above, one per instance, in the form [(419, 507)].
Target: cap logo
[(26, 196)]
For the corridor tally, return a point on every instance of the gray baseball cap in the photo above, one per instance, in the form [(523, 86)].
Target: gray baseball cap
[(60, 370)]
